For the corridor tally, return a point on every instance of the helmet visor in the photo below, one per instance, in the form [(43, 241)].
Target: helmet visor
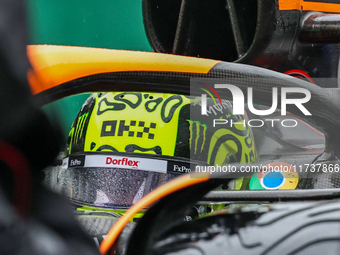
[(116, 188), (114, 181)]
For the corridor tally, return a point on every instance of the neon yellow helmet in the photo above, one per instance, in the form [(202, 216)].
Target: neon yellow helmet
[(123, 145)]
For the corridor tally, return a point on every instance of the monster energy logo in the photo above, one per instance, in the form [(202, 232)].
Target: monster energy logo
[(197, 135), (80, 127)]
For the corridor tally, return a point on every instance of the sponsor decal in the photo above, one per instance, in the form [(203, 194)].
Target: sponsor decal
[(152, 165), (111, 161), (76, 161), (80, 127), (181, 169), (121, 128), (197, 138), (122, 162), (178, 167)]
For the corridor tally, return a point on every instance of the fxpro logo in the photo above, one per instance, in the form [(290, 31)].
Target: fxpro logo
[(122, 162), (75, 162), (182, 169), (239, 104)]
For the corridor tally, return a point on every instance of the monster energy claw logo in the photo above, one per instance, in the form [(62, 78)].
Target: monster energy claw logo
[(80, 126), (197, 135)]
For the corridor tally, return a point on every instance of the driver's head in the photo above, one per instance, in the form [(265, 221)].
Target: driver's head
[(123, 145)]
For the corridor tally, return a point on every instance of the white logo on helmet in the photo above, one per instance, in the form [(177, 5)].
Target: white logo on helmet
[(75, 162), (181, 169)]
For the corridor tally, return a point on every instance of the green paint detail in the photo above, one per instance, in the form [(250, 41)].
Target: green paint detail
[(190, 130), (230, 146), (216, 207), (77, 129), (121, 212), (197, 136), (238, 183), (81, 133), (204, 135), (227, 147), (80, 126), (71, 140), (213, 208), (165, 133), (240, 125), (235, 184)]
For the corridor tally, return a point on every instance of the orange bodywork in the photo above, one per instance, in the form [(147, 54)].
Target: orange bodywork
[(55, 65), (308, 6)]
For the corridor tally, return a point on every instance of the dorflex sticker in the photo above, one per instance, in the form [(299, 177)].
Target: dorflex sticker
[(122, 162), (145, 164)]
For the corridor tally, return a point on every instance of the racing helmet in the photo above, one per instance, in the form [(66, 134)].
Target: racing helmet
[(123, 145)]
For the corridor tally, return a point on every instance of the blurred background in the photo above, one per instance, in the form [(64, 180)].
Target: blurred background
[(101, 23)]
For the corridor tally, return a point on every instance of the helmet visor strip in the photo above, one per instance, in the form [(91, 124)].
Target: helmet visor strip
[(114, 181)]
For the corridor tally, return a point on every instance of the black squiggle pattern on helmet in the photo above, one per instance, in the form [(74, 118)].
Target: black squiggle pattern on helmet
[(120, 97), (107, 147), (167, 119), (134, 147), (156, 101), (109, 106)]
